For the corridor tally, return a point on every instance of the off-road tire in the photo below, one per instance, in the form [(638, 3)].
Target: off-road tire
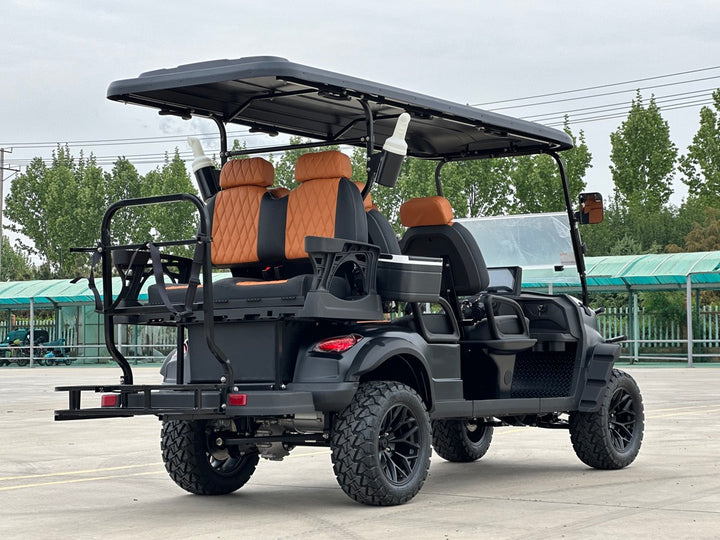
[(461, 440), (381, 444), (610, 438), (193, 464)]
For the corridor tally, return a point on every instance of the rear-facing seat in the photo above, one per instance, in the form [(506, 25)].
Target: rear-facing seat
[(262, 238)]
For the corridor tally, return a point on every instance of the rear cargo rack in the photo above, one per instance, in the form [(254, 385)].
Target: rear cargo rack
[(167, 399)]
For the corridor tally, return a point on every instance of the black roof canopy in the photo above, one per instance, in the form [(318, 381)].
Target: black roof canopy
[(274, 95)]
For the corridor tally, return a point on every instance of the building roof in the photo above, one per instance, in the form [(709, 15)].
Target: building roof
[(666, 271)]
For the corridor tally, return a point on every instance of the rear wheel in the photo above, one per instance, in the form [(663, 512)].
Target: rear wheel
[(461, 440), (381, 444), (610, 438), (197, 464), (22, 362)]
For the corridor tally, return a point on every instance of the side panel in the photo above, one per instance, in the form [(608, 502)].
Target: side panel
[(434, 368)]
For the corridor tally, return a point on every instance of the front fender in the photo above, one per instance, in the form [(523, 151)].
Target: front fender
[(600, 364)]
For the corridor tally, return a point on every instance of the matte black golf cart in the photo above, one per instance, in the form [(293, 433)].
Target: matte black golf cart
[(327, 330)]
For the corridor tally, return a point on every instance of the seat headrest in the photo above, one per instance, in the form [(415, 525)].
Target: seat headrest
[(328, 164), (423, 211), (254, 171)]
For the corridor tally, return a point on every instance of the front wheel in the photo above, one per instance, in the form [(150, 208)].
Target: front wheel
[(610, 438), (461, 440), (381, 444), (197, 464)]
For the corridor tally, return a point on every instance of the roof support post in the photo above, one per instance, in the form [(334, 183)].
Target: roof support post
[(688, 307), (223, 139), (32, 332), (633, 326), (578, 248)]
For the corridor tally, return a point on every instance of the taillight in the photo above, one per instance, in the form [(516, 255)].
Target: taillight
[(109, 400), (237, 400), (337, 344)]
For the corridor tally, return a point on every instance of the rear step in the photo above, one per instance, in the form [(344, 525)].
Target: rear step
[(183, 401)]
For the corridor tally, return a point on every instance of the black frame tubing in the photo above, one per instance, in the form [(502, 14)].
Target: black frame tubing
[(270, 149), (369, 145), (203, 238), (578, 250)]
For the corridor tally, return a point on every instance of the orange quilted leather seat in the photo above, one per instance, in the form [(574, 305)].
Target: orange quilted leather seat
[(236, 213), (325, 203)]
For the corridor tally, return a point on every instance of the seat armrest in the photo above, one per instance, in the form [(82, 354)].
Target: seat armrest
[(488, 300), (327, 255)]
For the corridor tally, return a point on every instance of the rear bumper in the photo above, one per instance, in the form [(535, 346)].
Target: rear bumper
[(182, 401), (203, 401)]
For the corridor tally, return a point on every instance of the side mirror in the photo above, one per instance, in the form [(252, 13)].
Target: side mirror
[(591, 209)]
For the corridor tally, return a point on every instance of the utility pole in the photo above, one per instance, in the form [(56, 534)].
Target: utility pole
[(2, 195)]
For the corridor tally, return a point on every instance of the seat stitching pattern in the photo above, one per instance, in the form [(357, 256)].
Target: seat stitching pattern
[(235, 225)]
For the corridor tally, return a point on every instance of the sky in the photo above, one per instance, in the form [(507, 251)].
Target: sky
[(59, 58)]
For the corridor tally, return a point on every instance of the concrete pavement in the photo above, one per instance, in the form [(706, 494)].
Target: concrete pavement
[(105, 478)]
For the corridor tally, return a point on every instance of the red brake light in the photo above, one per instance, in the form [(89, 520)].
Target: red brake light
[(237, 400), (109, 400), (337, 344)]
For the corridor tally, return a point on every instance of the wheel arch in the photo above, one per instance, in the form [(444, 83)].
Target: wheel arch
[(395, 360)]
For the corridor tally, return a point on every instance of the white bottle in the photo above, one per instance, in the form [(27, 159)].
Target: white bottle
[(393, 154), (204, 170)]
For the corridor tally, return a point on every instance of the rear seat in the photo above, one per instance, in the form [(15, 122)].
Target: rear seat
[(256, 234)]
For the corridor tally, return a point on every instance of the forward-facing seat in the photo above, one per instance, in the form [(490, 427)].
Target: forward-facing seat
[(433, 233)]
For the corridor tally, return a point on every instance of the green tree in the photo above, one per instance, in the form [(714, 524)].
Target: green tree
[(47, 205), (16, 266), (643, 159), (705, 236), (173, 221), (701, 165), (124, 182), (536, 179), (24, 207)]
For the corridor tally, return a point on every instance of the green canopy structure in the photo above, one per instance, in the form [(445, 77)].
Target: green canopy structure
[(636, 273), (625, 273)]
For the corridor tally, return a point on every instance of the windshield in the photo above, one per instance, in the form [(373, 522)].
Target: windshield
[(539, 243)]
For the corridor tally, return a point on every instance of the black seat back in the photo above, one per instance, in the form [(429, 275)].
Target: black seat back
[(432, 233)]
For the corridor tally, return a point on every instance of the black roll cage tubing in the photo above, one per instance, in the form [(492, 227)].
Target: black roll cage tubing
[(578, 248), (203, 239)]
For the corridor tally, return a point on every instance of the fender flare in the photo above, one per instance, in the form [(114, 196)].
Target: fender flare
[(600, 363), (380, 349)]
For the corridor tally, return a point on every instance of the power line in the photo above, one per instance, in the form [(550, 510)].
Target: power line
[(604, 94), (659, 101), (127, 141), (623, 114), (597, 87)]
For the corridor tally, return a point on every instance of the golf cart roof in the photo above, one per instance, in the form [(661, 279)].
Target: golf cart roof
[(271, 94)]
